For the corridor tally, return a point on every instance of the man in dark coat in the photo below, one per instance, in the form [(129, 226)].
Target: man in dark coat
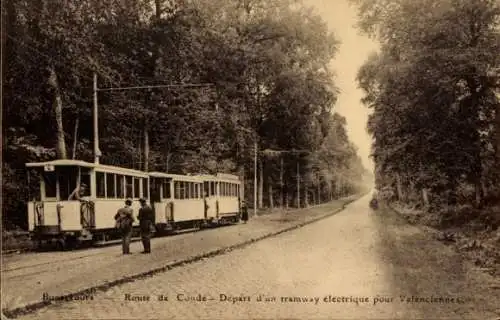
[(244, 211), (124, 219), (146, 222)]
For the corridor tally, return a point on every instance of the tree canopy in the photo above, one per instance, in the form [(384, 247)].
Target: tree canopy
[(433, 88), (265, 63)]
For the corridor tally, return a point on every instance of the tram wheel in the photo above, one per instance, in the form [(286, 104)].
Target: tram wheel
[(196, 225), (71, 243), (39, 245), (61, 244)]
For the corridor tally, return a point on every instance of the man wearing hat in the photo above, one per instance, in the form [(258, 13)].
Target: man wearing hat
[(79, 192), (146, 222), (124, 220)]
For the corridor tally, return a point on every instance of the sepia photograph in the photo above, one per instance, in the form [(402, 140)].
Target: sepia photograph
[(250, 159)]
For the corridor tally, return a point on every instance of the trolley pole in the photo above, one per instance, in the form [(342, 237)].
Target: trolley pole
[(96, 129), (255, 179)]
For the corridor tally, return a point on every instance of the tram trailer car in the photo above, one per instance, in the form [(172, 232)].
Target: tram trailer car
[(194, 201), (55, 216), (223, 198), (177, 201)]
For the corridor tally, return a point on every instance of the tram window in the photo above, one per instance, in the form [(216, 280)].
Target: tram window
[(206, 188), (196, 191), (145, 188), (67, 182), (156, 189), (110, 186), (85, 179), (136, 188), (192, 192), (100, 183), (166, 190), (212, 188), (119, 187), (183, 190), (177, 187), (129, 187), (50, 184)]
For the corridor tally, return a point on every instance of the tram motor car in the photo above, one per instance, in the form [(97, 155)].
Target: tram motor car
[(77, 200)]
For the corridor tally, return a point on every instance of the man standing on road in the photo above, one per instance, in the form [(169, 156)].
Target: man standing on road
[(244, 211), (124, 219), (146, 222)]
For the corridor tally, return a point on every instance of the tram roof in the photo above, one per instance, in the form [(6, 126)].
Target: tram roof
[(80, 163), (156, 174), (220, 177)]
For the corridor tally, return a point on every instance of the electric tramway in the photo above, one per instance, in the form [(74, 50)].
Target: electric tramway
[(77, 200)]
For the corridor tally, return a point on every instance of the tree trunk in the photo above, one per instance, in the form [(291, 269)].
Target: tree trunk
[(339, 187), (497, 140), (298, 185), (261, 185), (306, 196), (399, 187), (270, 188), (425, 197), (287, 201), (75, 137), (61, 144), (281, 182), (319, 192), (478, 188)]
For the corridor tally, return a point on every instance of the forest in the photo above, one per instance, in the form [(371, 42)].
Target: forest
[(434, 89), (215, 81)]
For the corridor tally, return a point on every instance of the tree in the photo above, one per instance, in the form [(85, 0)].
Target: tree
[(432, 94)]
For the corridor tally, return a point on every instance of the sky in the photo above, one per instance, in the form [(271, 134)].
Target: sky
[(354, 50)]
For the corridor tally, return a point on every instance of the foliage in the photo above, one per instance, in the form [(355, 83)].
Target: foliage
[(433, 88), (265, 61)]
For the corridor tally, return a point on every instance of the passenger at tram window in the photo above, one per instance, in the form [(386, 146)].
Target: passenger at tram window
[(79, 193)]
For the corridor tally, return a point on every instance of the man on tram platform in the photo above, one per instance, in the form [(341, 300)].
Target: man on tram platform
[(146, 223), (79, 193)]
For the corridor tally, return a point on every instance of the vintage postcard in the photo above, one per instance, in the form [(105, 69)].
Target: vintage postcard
[(250, 159)]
